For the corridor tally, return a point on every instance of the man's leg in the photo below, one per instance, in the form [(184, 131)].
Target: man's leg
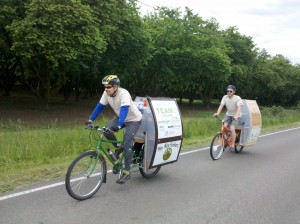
[(233, 135), (228, 123), (110, 135), (234, 124), (131, 129), (130, 132)]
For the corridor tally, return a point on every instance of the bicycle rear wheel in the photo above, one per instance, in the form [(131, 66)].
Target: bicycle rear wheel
[(238, 148), (85, 175), (147, 173), (150, 172), (216, 146)]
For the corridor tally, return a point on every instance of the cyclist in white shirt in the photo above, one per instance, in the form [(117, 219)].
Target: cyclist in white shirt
[(233, 105), (128, 115)]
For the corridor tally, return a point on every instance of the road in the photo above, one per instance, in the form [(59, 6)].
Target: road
[(259, 185)]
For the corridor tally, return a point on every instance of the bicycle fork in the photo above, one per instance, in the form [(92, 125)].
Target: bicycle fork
[(100, 158)]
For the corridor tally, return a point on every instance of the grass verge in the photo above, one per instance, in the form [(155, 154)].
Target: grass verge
[(32, 154)]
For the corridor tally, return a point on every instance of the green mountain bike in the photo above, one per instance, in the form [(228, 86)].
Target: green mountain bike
[(88, 171)]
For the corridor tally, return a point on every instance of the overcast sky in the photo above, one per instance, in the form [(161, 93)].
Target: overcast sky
[(273, 24)]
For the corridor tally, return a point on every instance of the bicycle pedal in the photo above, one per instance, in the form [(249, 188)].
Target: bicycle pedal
[(114, 171)]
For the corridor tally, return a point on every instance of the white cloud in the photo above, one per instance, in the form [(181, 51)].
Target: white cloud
[(273, 24)]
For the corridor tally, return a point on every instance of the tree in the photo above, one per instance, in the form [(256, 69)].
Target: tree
[(242, 54), (286, 82), (274, 81), (189, 55), (10, 10), (53, 34), (128, 48), (260, 81)]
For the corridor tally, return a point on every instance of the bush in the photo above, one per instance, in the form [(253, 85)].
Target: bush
[(297, 107), (274, 111)]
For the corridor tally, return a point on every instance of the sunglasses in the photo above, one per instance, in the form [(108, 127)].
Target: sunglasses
[(230, 91), (107, 87)]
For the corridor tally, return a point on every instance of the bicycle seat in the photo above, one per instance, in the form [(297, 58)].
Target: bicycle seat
[(139, 140)]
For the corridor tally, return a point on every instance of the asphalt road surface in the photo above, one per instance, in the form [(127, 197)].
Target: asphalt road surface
[(259, 185)]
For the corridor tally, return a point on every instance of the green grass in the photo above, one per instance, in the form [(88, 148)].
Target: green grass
[(31, 154)]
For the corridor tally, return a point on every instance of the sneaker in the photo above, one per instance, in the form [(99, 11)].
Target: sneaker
[(115, 171), (124, 177)]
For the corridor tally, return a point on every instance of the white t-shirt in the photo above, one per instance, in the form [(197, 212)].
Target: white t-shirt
[(231, 104), (122, 98)]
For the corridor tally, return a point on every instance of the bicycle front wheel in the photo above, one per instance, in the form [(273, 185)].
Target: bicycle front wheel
[(217, 146), (85, 175)]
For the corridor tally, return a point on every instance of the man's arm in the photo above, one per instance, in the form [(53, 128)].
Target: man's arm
[(123, 114), (239, 109), (97, 111), (238, 112), (219, 110)]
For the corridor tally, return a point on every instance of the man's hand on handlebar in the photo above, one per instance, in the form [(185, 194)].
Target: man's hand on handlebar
[(89, 124), (115, 129)]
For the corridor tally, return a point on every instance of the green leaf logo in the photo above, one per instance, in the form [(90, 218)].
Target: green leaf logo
[(167, 154)]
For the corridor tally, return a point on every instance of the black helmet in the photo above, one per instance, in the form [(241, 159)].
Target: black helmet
[(111, 80), (231, 87)]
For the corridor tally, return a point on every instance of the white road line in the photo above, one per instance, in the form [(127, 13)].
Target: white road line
[(291, 129), (31, 191), (35, 189), (62, 183)]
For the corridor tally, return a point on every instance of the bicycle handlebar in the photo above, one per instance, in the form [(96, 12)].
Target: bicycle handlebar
[(225, 121), (96, 127), (217, 117)]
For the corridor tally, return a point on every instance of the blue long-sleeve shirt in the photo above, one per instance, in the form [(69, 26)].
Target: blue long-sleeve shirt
[(122, 116)]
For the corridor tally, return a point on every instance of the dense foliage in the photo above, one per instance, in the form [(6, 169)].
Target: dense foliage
[(51, 46)]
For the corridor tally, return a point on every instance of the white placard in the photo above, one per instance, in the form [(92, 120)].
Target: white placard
[(168, 118), (253, 136), (167, 152)]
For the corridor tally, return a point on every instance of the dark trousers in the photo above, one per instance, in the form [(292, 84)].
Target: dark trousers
[(130, 131)]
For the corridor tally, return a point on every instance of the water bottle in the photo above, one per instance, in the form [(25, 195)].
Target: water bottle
[(112, 155), (119, 145)]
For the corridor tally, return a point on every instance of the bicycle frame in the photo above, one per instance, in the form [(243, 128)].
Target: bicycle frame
[(223, 139), (226, 135), (102, 150)]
